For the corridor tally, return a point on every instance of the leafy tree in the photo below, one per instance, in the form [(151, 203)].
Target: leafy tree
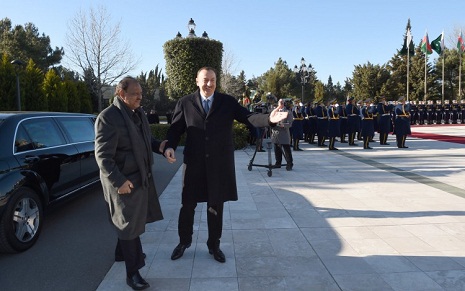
[(7, 84), (280, 80), (369, 80), (85, 97), (74, 102), (55, 93), (26, 43), (96, 47), (417, 77), (319, 92), (34, 98)]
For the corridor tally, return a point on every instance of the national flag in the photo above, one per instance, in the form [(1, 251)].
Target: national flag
[(425, 46), (438, 44), (411, 47), (460, 44)]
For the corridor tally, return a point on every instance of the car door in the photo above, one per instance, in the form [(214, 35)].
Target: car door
[(80, 133), (50, 157)]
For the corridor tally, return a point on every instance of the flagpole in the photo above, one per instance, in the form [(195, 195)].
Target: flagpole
[(426, 60), (460, 75), (408, 62), (442, 54)]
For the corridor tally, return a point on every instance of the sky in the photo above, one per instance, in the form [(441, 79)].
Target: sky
[(331, 35)]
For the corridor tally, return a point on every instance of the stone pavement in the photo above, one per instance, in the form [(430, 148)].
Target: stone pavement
[(353, 219)]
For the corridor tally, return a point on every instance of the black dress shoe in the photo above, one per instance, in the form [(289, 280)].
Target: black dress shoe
[(179, 251), (136, 282), (277, 166), (289, 166), (217, 255), (404, 147), (333, 149)]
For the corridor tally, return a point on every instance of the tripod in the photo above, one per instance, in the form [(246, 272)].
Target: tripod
[(265, 133)]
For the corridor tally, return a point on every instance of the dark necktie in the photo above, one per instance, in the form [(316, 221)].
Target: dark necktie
[(206, 105)]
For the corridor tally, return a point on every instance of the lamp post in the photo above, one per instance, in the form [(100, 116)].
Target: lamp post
[(18, 64), (302, 71), (191, 27)]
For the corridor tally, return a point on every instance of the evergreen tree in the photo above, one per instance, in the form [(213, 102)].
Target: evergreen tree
[(369, 80), (55, 93), (26, 43), (32, 87)]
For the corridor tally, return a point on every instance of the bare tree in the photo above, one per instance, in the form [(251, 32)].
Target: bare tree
[(96, 47)]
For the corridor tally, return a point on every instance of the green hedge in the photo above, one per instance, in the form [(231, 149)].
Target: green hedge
[(240, 131)]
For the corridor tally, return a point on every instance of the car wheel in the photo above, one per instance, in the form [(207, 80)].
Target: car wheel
[(21, 222)]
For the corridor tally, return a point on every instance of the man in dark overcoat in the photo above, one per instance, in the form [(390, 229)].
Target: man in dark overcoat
[(206, 117), (123, 150)]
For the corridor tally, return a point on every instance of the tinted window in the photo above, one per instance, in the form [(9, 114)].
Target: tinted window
[(22, 141), (43, 132), (78, 129)]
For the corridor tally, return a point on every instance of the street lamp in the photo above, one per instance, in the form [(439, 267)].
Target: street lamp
[(18, 64), (191, 27), (302, 71)]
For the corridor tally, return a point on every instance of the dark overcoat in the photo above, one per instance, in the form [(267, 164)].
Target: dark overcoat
[(334, 128), (384, 117), (402, 123), (368, 126), (353, 119), (122, 153), (209, 170)]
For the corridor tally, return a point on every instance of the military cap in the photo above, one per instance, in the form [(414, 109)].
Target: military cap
[(368, 100), (401, 99), (350, 98)]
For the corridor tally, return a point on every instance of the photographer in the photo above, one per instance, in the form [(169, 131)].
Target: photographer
[(280, 136)]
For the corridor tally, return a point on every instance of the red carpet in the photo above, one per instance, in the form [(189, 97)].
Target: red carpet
[(439, 137)]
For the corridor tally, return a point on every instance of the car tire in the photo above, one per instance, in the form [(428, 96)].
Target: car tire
[(21, 222)]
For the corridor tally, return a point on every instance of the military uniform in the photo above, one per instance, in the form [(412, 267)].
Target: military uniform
[(368, 127), (343, 124), (402, 122), (384, 120), (334, 129), (352, 120), (322, 124)]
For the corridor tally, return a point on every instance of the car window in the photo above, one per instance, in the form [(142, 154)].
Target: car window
[(78, 129), (43, 132), (22, 141)]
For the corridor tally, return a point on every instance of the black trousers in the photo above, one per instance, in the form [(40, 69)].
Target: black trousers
[(214, 221), (131, 250), (280, 150)]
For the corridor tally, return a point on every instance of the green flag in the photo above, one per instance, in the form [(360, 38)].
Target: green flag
[(438, 44), (411, 47)]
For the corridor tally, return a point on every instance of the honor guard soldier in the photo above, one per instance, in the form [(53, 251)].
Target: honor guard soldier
[(322, 123), (402, 122), (297, 126), (368, 127), (439, 112), (384, 120), (462, 111), (430, 112), (341, 111), (312, 122), (454, 114), (352, 120), (447, 112), (413, 112), (334, 129), (421, 109)]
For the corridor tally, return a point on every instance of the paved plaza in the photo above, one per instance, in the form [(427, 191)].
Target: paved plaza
[(353, 219)]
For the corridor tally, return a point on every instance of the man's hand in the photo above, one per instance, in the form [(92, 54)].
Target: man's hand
[(162, 146), (126, 187), (277, 116), (169, 155)]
